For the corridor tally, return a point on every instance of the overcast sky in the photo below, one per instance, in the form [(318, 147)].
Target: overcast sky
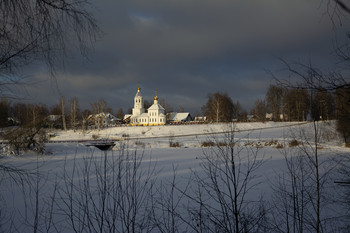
[(187, 49)]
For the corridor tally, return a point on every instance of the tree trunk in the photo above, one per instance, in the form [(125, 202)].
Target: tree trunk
[(63, 114)]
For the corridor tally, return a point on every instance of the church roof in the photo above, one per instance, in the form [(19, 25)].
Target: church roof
[(156, 106), (140, 116)]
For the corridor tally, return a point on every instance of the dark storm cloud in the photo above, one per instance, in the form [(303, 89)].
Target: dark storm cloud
[(188, 48)]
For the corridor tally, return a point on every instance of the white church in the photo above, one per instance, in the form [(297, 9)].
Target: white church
[(155, 114)]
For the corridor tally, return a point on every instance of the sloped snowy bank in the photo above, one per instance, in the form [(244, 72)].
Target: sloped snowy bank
[(144, 184)]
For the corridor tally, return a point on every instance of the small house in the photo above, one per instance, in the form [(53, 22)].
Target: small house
[(179, 117)]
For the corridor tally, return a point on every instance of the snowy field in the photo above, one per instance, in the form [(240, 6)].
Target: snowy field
[(124, 132), (156, 179)]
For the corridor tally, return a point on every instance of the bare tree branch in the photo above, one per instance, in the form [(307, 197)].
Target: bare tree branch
[(43, 30)]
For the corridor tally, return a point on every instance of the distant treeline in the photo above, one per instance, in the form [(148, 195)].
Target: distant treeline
[(286, 104)]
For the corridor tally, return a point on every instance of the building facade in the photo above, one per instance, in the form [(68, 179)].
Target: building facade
[(155, 114)]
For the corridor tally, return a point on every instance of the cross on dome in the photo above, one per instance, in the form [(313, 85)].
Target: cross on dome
[(156, 97)]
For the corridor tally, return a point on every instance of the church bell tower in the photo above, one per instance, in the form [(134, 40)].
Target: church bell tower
[(138, 103)]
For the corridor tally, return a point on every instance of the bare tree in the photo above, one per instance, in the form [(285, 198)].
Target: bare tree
[(274, 101), (120, 113), (73, 112), (259, 110), (296, 104), (239, 112), (4, 112), (113, 194), (342, 110), (26, 138), (220, 202), (303, 201), (168, 212), (41, 30), (31, 134), (63, 114), (300, 199), (343, 191), (336, 10), (84, 119), (165, 105), (219, 108), (322, 105), (97, 109)]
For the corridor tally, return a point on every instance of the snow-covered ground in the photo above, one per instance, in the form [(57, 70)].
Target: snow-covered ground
[(160, 164), (161, 131)]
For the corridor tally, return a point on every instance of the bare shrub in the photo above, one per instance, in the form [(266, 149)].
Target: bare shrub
[(271, 143), (140, 144), (259, 145), (221, 144), (294, 143), (208, 144), (248, 144), (27, 138), (174, 144), (217, 144)]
